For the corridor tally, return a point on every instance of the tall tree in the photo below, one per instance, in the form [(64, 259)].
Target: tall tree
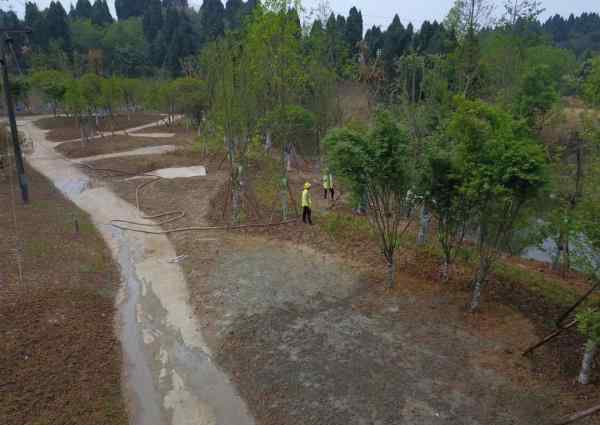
[(354, 30), (35, 20), (83, 10), (100, 13), (57, 25), (233, 14), (379, 162), (397, 40), (501, 169), (152, 20), (130, 8), (212, 15)]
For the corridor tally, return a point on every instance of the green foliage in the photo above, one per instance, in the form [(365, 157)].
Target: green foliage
[(343, 226), (501, 169), (190, 97), (588, 323), (538, 94), (378, 164), (52, 85), (591, 85)]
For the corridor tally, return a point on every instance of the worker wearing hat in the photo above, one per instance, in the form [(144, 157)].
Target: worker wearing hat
[(328, 185), (306, 204)]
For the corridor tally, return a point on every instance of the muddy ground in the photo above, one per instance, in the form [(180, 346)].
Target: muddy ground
[(309, 335), (66, 128), (116, 143), (60, 357)]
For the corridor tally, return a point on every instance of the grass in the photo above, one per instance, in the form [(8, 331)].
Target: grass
[(342, 226), (553, 290)]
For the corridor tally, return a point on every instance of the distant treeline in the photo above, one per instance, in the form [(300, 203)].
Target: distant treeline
[(154, 38)]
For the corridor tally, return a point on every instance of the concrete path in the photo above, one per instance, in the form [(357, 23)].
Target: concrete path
[(168, 371)]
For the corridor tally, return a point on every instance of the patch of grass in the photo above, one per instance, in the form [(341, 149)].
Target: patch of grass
[(37, 248), (267, 181), (553, 290), (340, 226)]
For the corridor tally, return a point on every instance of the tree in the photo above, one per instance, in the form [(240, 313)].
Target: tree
[(502, 169), (591, 85), (100, 13), (379, 162), (537, 96), (448, 203), (234, 10), (190, 98), (52, 85), (83, 10), (130, 8), (354, 30), (153, 20), (212, 14), (233, 107), (35, 20), (125, 48), (588, 323), (397, 40), (132, 92), (521, 11), (57, 27)]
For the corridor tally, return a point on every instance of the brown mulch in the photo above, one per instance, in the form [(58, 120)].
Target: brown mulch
[(112, 144), (556, 364), (61, 359), (66, 128)]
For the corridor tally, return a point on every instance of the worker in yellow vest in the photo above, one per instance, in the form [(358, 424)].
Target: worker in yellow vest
[(306, 204), (328, 185)]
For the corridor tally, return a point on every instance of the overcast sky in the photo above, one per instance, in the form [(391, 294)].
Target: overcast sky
[(379, 12)]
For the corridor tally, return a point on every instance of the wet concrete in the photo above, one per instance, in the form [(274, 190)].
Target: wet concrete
[(176, 173), (153, 135), (168, 372)]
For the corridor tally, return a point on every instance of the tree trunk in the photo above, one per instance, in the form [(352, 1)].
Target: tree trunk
[(479, 283), (283, 194), (587, 362), (268, 141), (476, 300), (445, 270), (423, 226), (391, 271)]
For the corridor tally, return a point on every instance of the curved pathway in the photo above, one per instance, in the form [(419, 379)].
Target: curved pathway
[(168, 372)]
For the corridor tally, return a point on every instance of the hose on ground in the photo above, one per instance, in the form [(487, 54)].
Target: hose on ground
[(174, 215)]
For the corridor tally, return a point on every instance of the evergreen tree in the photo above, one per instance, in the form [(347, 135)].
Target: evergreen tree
[(153, 20), (397, 39), (35, 20), (100, 13), (130, 8), (374, 38), (57, 27), (233, 14), (83, 10), (249, 6), (354, 30), (212, 15)]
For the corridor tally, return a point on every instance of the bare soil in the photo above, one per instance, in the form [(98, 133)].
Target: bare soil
[(299, 317), (111, 144), (61, 359), (66, 128)]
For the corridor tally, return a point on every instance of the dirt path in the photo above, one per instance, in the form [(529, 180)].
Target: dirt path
[(169, 375)]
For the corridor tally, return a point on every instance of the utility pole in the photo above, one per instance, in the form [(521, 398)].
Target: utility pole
[(10, 108)]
